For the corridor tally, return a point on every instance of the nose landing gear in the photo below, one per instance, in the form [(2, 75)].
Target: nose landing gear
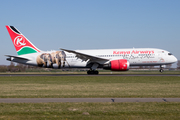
[(161, 69)]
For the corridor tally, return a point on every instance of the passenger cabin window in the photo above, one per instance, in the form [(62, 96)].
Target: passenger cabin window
[(169, 53)]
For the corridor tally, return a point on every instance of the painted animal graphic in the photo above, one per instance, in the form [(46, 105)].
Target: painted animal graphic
[(58, 57), (45, 60), (62, 56)]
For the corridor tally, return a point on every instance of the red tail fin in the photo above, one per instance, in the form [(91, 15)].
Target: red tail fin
[(21, 43)]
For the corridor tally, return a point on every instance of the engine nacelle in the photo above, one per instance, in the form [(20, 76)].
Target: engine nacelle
[(117, 65)]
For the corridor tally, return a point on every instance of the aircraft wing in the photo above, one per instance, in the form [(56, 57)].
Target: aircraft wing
[(17, 57), (84, 56)]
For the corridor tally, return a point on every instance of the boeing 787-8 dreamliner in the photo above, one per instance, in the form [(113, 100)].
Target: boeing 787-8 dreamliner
[(110, 59)]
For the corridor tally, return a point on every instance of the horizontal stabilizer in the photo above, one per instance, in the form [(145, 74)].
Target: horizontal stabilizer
[(17, 57)]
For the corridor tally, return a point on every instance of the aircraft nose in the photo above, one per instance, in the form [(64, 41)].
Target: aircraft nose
[(175, 59)]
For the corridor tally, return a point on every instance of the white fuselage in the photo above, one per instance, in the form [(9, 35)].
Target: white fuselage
[(136, 57)]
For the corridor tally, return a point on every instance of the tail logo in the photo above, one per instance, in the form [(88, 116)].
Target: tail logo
[(19, 41)]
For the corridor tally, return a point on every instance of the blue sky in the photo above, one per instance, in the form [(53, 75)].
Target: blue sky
[(92, 24)]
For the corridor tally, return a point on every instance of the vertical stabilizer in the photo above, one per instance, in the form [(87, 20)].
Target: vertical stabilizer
[(21, 43)]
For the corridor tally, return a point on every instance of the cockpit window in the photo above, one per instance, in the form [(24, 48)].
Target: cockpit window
[(169, 53)]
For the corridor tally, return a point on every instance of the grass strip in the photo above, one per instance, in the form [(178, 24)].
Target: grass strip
[(90, 111), (90, 87)]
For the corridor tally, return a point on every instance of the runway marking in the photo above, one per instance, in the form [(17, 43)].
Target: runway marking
[(165, 100), (117, 100), (112, 100)]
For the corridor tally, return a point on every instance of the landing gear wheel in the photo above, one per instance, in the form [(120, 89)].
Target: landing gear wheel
[(96, 72), (92, 72), (88, 72), (161, 70)]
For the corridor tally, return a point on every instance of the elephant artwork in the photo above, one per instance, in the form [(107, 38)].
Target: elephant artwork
[(62, 56), (45, 60), (58, 57), (48, 59)]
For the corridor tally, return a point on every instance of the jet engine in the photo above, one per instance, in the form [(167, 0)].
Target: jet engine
[(117, 65)]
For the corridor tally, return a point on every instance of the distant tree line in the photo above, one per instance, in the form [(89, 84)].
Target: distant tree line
[(15, 68), (178, 64)]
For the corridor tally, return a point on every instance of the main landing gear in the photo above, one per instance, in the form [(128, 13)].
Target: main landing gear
[(92, 72)]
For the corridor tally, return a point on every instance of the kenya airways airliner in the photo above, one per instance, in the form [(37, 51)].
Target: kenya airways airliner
[(110, 59)]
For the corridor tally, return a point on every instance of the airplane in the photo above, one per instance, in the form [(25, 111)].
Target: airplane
[(108, 59)]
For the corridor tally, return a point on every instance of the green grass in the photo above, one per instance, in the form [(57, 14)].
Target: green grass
[(97, 111), (90, 87)]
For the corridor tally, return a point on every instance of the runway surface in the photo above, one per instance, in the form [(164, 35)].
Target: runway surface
[(47, 100), (90, 75)]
